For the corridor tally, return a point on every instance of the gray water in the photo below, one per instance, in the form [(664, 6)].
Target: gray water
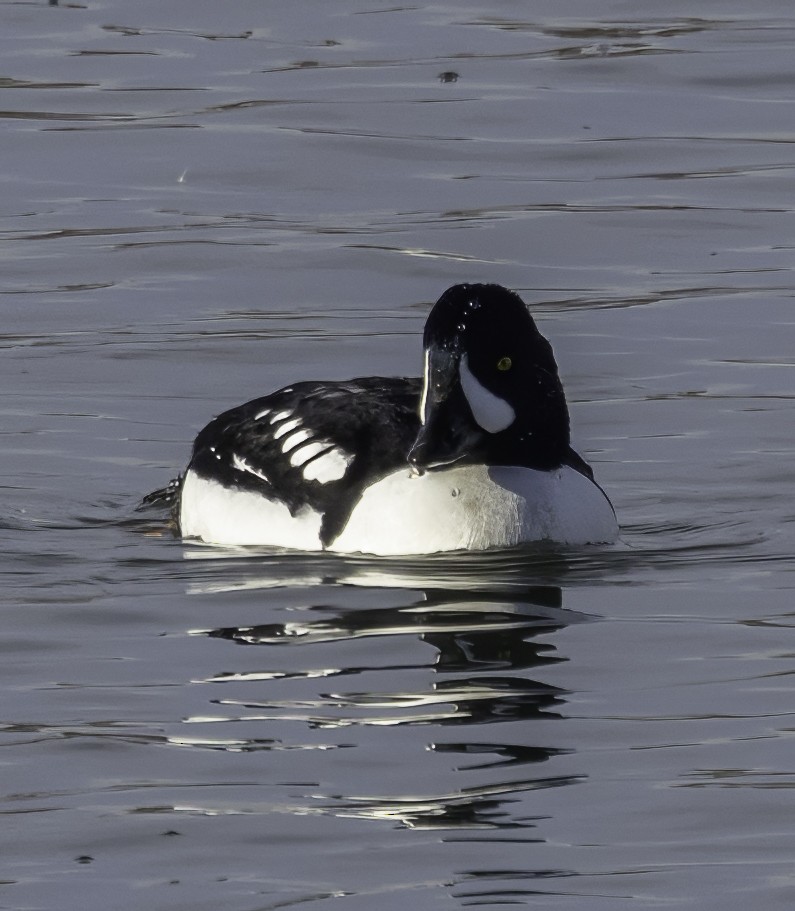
[(202, 202)]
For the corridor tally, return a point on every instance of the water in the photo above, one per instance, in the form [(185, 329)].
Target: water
[(202, 202)]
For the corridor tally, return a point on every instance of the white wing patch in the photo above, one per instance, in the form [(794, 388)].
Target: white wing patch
[(279, 416), (262, 414), (306, 452), (330, 466), (491, 412), (286, 428), (242, 465), (295, 439)]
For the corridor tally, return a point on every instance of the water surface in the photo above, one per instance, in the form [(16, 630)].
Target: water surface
[(203, 202)]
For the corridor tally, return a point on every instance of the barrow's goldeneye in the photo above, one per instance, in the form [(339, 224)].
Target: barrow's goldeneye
[(473, 455)]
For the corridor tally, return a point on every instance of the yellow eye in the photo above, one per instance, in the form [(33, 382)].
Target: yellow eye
[(504, 363)]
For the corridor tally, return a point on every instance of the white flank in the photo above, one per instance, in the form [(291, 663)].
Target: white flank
[(242, 465), (460, 508), (286, 428), (331, 466), (425, 379), (220, 515), (491, 412)]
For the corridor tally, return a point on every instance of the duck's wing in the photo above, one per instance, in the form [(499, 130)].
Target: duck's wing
[(314, 444)]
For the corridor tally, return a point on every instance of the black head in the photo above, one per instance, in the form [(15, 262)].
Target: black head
[(491, 386)]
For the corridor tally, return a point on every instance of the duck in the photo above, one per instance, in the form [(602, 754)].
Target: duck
[(473, 455)]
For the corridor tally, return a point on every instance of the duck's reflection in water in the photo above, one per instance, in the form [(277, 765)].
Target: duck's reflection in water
[(487, 645)]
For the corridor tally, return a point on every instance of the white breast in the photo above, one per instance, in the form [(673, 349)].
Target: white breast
[(460, 508), (476, 507)]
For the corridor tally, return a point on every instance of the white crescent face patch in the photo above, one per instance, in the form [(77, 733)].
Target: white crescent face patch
[(491, 412)]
